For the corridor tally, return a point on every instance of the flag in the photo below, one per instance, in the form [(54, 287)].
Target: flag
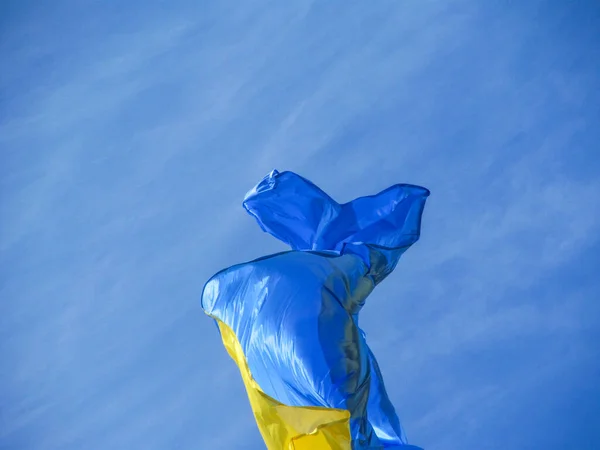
[(290, 320)]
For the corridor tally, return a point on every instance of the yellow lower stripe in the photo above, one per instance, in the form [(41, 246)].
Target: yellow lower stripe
[(289, 427)]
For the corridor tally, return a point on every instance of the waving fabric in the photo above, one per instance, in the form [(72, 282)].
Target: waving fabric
[(290, 320)]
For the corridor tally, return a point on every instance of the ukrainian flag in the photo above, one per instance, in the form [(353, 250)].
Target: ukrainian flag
[(290, 320)]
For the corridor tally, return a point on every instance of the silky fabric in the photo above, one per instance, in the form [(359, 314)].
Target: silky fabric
[(290, 320)]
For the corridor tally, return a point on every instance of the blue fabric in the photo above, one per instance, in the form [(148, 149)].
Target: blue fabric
[(295, 313)]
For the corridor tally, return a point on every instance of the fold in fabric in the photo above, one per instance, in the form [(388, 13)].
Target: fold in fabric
[(290, 320)]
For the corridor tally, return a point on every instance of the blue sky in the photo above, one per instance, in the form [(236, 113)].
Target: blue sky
[(130, 131)]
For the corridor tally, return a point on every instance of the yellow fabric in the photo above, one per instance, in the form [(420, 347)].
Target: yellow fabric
[(289, 427)]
